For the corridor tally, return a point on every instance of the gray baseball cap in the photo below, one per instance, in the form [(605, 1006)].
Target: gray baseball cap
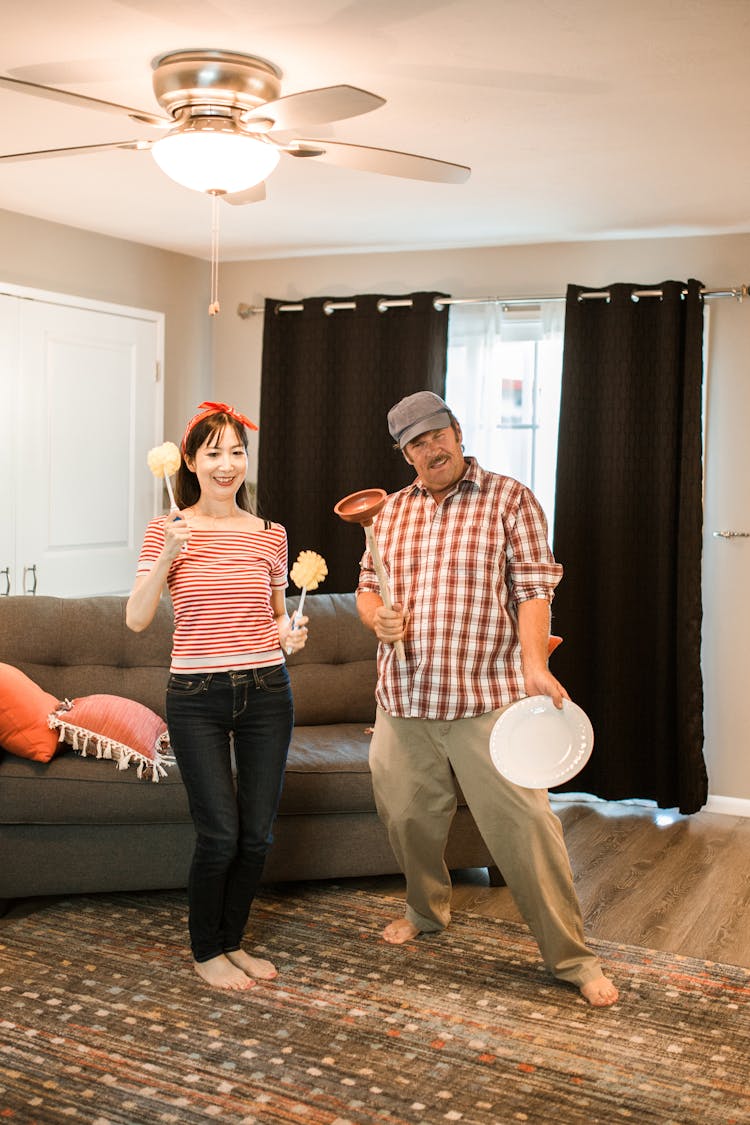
[(415, 415)]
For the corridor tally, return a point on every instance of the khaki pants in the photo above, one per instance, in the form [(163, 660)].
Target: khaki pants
[(412, 763)]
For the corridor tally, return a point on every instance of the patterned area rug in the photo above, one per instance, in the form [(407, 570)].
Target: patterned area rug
[(103, 1021)]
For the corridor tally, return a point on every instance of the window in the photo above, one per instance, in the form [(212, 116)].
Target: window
[(503, 384)]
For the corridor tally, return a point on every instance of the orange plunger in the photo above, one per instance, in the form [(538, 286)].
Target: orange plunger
[(362, 507)]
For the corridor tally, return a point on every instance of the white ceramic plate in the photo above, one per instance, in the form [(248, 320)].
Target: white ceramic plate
[(537, 746)]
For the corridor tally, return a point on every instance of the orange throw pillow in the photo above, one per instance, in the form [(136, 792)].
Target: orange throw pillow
[(24, 708)]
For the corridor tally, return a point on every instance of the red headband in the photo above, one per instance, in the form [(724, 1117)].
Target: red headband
[(206, 409)]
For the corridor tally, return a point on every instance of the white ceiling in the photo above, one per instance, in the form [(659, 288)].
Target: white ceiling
[(580, 119)]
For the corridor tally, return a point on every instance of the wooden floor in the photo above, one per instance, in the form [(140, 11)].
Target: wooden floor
[(644, 876)]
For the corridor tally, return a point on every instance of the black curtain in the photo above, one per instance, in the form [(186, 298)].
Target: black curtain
[(628, 531), (327, 384)]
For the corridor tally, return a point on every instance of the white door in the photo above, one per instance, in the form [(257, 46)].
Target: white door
[(726, 561), (9, 309), (89, 409)]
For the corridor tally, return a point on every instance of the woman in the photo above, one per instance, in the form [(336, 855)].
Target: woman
[(226, 571)]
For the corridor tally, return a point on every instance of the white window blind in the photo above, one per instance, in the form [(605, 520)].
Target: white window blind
[(503, 384)]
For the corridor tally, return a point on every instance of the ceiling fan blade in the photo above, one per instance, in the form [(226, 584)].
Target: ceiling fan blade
[(75, 150), (255, 194), (72, 72), (313, 107), (82, 101), (385, 161)]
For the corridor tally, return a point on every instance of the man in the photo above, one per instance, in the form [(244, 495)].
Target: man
[(472, 578)]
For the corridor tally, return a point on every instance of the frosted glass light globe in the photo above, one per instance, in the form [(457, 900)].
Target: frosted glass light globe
[(210, 155)]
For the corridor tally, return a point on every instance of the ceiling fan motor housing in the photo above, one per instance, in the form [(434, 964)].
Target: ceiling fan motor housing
[(220, 79)]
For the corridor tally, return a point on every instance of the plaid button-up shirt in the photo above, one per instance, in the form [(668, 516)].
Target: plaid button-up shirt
[(459, 569)]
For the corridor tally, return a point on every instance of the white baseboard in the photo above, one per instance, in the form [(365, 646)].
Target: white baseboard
[(731, 806)]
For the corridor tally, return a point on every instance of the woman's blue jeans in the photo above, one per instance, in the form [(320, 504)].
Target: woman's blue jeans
[(233, 819)]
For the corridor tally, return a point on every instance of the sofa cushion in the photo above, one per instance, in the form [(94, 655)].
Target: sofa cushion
[(75, 790), (327, 770), (24, 707), (333, 676), (334, 693)]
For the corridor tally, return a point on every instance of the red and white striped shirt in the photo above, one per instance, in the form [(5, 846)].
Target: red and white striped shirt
[(459, 569), (221, 594)]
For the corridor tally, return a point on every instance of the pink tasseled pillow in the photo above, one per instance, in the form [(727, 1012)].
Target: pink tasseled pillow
[(111, 726)]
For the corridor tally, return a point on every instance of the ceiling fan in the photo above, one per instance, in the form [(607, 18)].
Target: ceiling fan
[(226, 125)]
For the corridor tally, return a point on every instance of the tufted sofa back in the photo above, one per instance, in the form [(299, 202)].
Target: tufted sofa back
[(82, 646)]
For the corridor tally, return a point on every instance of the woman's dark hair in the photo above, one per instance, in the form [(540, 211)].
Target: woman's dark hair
[(186, 488)]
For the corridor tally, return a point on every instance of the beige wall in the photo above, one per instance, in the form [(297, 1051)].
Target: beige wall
[(545, 270), (49, 256)]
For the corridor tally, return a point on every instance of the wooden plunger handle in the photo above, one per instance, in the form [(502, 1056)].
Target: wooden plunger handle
[(385, 592)]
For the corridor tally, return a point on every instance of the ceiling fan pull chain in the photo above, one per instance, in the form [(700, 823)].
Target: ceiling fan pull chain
[(213, 308)]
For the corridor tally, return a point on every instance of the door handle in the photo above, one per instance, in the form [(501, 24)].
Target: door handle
[(32, 571), (5, 572), (732, 535)]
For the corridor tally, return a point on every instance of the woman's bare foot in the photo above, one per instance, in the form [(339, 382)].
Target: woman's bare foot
[(400, 931), (600, 992), (252, 966), (219, 972)]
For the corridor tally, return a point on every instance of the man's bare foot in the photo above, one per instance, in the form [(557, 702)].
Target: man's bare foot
[(400, 931), (252, 966), (219, 972), (600, 992)]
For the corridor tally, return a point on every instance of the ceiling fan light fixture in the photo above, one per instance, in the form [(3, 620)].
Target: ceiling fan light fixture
[(212, 155)]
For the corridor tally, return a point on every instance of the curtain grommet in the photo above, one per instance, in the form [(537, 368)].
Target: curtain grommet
[(603, 295)]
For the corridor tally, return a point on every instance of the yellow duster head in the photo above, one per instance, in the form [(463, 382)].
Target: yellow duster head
[(164, 460), (309, 570)]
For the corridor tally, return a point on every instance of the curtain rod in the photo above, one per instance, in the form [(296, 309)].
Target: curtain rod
[(738, 293)]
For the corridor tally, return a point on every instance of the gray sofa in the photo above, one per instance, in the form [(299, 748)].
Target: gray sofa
[(79, 824)]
